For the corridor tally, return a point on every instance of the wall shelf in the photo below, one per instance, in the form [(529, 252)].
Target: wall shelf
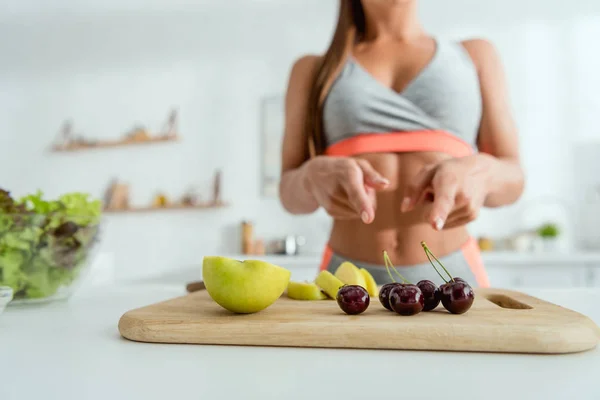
[(113, 143), (173, 207)]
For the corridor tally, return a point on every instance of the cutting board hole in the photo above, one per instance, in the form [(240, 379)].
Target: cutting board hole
[(507, 302)]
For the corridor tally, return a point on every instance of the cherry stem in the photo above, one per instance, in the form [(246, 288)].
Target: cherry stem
[(386, 266), (428, 253), (387, 260), (434, 267)]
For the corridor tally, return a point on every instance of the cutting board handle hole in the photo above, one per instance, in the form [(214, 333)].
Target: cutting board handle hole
[(504, 301)]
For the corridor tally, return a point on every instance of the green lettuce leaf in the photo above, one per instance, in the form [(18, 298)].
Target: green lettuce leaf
[(11, 274), (36, 204), (80, 209)]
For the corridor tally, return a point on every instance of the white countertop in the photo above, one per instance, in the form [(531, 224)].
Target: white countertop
[(72, 350)]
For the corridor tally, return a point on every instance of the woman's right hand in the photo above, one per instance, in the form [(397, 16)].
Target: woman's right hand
[(345, 187)]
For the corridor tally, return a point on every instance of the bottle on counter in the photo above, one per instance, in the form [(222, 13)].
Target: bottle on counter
[(247, 237)]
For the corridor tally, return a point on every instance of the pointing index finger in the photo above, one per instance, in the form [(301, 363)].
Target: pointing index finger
[(416, 187), (445, 187), (357, 195)]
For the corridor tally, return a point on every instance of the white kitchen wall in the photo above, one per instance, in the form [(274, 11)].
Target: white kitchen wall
[(107, 65)]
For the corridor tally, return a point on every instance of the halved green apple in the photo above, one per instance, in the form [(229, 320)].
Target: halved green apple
[(243, 286)]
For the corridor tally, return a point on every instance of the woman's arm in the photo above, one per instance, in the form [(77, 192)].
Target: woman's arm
[(295, 196), (345, 187), (498, 141), (491, 178)]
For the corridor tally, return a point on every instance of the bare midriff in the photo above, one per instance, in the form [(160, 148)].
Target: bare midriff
[(400, 234)]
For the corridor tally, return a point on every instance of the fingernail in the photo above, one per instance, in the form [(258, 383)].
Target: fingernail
[(365, 217), (439, 224), (405, 204), (381, 180)]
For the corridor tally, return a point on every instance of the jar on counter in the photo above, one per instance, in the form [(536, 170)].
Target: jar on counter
[(247, 237)]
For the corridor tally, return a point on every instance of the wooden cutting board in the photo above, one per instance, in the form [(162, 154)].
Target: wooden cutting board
[(499, 321)]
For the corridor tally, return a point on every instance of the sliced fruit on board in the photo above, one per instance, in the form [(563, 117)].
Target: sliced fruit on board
[(371, 284), (329, 283), (305, 291), (350, 274), (243, 286)]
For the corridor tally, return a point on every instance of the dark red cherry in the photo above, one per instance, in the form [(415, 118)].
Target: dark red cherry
[(353, 299), (430, 294), (384, 294), (457, 297), (407, 299)]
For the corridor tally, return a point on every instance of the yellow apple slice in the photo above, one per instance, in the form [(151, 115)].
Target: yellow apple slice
[(329, 283), (305, 291), (350, 274), (371, 284)]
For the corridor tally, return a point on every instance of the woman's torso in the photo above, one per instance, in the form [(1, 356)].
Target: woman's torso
[(401, 110)]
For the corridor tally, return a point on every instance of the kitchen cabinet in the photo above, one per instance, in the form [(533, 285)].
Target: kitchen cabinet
[(538, 276), (543, 270)]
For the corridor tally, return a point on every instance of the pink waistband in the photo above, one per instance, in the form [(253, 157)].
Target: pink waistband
[(470, 250), (397, 142)]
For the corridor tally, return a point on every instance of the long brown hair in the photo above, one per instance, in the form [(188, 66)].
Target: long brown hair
[(350, 27)]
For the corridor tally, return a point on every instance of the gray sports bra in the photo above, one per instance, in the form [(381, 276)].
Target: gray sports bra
[(439, 110)]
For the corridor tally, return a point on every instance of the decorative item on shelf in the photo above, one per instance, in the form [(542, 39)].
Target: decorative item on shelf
[(116, 196), (191, 197), (171, 126), (217, 188), (289, 245), (551, 212), (66, 135), (522, 241), (161, 200), (138, 134), (485, 244), (548, 233), (67, 138), (247, 237)]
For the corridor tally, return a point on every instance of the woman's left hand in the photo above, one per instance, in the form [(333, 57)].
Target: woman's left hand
[(458, 186)]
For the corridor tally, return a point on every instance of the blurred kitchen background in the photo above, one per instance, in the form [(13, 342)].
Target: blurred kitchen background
[(195, 86)]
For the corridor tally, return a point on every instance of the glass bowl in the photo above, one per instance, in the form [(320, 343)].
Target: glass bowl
[(6, 295), (44, 257)]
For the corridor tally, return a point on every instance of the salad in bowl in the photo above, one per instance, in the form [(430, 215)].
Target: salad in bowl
[(46, 245)]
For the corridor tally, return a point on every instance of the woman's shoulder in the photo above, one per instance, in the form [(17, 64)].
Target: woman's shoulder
[(303, 70), (306, 64), (482, 51), (479, 45), (309, 58)]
